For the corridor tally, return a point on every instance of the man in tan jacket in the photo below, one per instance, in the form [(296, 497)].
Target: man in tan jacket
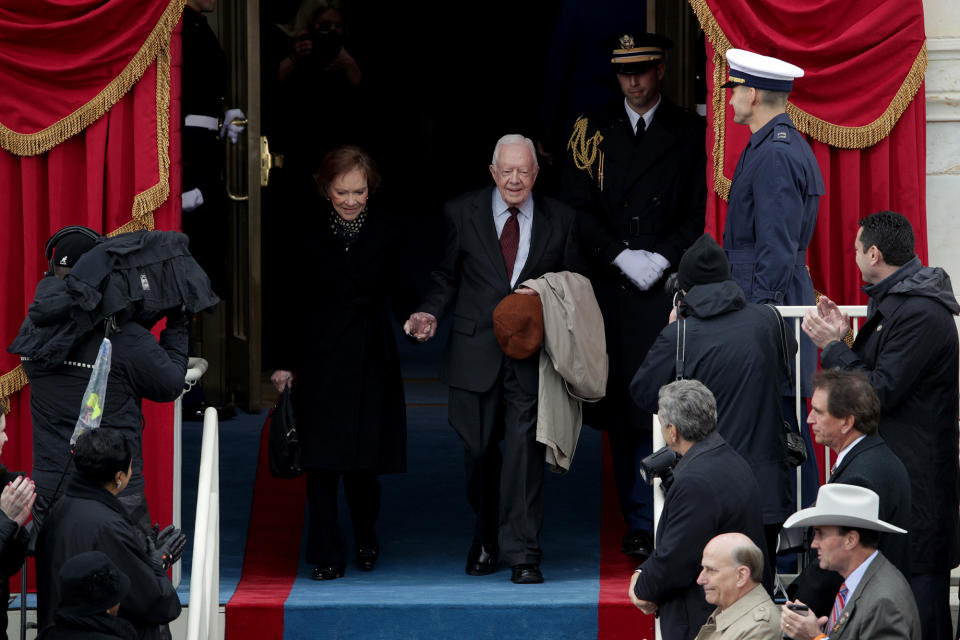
[(732, 567)]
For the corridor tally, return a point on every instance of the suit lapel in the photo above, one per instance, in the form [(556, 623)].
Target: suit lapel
[(482, 218), (848, 610)]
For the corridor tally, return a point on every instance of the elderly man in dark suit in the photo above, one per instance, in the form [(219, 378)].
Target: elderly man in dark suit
[(844, 415), (713, 492), (635, 173), (874, 600), (495, 238)]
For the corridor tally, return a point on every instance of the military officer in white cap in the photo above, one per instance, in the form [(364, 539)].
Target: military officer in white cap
[(773, 206)]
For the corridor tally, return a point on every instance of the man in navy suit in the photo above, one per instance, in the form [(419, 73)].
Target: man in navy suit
[(844, 416), (496, 238)]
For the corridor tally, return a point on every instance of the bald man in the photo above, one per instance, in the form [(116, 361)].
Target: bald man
[(732, 567)]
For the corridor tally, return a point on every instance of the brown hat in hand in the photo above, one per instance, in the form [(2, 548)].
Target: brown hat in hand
[(518, 325)]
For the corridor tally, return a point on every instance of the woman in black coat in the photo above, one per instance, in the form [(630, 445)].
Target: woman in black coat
[(342, 362), (90, 517)]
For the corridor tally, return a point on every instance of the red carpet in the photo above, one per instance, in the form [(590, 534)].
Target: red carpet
[(617, 617), (271, 558)]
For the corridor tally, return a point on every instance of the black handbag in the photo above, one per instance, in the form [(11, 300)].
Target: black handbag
[(796, 447), (283, 444)]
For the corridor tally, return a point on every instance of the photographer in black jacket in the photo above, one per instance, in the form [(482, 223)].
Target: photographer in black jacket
[(735, 348)]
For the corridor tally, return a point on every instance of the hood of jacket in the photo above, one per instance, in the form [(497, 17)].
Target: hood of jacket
[(914, 279), (714, 299)]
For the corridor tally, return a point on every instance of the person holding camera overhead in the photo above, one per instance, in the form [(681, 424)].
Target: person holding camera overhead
[(737, 349), (713, 492)]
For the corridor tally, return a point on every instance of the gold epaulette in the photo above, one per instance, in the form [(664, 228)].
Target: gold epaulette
[(586, 151)]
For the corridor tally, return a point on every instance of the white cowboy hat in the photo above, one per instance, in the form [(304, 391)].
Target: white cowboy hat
[(843, 505)]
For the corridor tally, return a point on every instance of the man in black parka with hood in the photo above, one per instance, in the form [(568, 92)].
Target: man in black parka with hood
[(736, 349), (908, 348)]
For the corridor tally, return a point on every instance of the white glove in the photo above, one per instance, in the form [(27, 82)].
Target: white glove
[(229, 129), (642, 268), (190, 200)]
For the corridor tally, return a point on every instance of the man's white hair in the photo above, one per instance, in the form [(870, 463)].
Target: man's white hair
[(514, 138)]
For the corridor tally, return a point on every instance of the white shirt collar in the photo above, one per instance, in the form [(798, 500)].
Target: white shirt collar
[(500, 207), (647, 117), (847, 449)]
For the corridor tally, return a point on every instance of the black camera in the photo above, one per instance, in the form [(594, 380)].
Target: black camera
[(326, 45), (659, 464)]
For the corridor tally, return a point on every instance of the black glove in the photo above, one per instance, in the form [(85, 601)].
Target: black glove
[(172, 541), (167, 548)]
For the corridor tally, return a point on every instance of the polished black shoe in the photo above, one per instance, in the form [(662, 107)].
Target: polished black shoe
[(327, 573), (526, 574), (481, 560), (637, 544), (367, 556)]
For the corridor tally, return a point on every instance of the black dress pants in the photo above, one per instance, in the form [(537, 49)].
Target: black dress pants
[(505, 489), (325, 545)]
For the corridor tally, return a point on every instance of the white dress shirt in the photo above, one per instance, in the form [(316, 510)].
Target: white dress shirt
[(634, 116)]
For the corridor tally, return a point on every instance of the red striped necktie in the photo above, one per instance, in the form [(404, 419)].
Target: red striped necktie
[(838, 606)]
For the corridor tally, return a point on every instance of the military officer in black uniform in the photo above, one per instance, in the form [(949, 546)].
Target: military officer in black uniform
[(773, 209), (636, 176)]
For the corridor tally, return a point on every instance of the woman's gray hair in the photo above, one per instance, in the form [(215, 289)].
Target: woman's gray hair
[(690, 407), (514, 138)]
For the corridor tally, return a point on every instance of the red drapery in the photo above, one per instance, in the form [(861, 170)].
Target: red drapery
[(861, 104), (89, 125)]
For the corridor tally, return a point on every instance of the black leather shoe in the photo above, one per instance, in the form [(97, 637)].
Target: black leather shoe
[(327, 573), (526, 574), (367, 556), (481, 560), (637, 544)]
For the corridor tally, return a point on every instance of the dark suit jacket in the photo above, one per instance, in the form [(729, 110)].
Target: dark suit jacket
[(871, 464), (472, 279), (713, 492), (881, 607)]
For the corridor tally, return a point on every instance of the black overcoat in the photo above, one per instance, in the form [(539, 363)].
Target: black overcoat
[(735, 349), (870, 464), (713, 492), (89, 518), (908, 348), (348, 392), (651, 196)]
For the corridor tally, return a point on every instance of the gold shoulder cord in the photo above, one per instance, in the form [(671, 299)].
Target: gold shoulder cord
[(586, 151)]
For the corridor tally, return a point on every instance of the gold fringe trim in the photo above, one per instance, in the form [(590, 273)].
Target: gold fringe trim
[(10, 383), (32, 144), (144, 203), (832, 134), (585, 151)]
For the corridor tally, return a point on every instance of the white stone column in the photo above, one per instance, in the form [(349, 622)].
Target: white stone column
[(942, 18)]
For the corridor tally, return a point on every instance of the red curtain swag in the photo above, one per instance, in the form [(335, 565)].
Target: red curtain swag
[(861, 104), (90, 134)]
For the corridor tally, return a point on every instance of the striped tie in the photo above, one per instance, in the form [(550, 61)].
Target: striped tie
[(838, 605)]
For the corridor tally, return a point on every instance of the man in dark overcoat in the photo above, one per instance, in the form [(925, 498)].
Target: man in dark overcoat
[(713, 492), (738, 350), (496, 238), (844, 415), (908, 348), (636, 176)]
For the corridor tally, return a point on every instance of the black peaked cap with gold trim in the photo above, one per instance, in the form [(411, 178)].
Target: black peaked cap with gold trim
[(638, 51)]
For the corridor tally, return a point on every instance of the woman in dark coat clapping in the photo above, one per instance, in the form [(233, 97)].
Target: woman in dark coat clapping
[(342, 359)]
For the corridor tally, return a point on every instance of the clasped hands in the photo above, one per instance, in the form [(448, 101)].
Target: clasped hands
[(420, 326), (17, 499), (644, 605), (642, 268), (826, 323)]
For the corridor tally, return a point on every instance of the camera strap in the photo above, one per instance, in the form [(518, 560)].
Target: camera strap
[(681, 345), (782, 334)]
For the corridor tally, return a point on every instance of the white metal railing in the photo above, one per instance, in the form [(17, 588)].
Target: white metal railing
[(205, 568), (796, 315), (196, 367)]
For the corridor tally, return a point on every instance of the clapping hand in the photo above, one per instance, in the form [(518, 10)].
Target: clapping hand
[(826, 323), (17, 499)]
